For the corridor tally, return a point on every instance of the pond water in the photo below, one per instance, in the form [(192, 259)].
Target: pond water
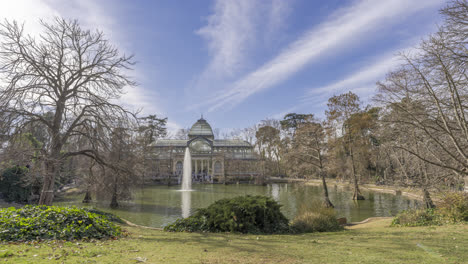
[(157, 206)]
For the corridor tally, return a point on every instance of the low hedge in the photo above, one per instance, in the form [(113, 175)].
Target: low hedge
[(52, 222), (243, 214)]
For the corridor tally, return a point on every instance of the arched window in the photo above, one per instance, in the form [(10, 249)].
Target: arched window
[(179, 168)]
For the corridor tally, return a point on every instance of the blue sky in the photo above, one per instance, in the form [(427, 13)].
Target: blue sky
[(238, 62)]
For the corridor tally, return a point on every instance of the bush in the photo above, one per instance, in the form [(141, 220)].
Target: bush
[(243, 214), (453, 208), (418, 217), (109, 216), (12, 184), (51, 222), (315, 218)]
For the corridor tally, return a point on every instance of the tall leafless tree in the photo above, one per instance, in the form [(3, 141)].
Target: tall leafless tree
[(76, 75), (427, 97)]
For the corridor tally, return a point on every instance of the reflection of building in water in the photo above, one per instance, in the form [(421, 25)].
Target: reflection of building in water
[(213, 160), (275, 191)]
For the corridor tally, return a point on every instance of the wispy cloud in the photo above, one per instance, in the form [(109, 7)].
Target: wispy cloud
[(28, 12), (234, 31), (343, 28), (362, 80), (229, 32)]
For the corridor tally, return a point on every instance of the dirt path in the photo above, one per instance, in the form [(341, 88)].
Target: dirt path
[(365, 223)]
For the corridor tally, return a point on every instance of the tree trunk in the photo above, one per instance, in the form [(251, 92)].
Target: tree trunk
[(47, 194), (327, 201), (114, 204), (87, 198), (427, 199), (52, 162), (425, 181), (357, 193)]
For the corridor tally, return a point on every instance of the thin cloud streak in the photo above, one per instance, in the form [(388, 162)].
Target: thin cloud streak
[(234, 32), (229, 32), (364, 77), (343, 28), (361, 82)]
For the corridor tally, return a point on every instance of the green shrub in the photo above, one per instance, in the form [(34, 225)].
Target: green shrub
[(453, 208), (12, 185), (315, 217), (418, 217), (108, 216), (243, 214), (51, 222)]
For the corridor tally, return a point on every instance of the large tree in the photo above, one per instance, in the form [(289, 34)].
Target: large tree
[(309, 146), (425, 102), (292, 121), (72, 73), (150, 129), (268, 144), (340, 110)]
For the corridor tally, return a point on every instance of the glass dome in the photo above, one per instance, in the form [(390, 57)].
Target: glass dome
[(201, 128)]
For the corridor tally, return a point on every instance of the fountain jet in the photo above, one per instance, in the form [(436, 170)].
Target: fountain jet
[(187, 175)]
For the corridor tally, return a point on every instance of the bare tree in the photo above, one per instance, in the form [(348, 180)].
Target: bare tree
[(182, 133), (426, 102), (430, 92), (309, 147), (74, 74)]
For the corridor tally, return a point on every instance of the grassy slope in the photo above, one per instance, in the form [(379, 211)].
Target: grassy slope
[(373, 242)]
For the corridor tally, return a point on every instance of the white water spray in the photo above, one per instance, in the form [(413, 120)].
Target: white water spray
[(186, 204), (187, 176)]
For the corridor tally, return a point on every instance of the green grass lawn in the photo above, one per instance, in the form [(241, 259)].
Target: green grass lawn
[(373, 242)]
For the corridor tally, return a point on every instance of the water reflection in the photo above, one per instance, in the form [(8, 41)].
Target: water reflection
[(275, 191), (186, 203)]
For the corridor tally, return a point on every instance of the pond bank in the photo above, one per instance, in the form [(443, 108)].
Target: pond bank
[(407, 192)]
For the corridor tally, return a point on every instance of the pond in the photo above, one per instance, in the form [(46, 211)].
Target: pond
[(157, 206)]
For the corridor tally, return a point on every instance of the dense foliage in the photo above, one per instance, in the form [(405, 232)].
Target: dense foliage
[(52, 222), (315, 218), (453, 208), (13, 186), (108, 216), (243, 214)]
